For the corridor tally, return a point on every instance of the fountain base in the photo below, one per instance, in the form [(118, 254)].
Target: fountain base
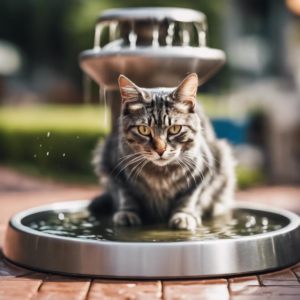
[(132, 253)]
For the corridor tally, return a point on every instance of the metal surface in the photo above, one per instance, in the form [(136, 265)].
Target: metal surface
[(153, 46), (153, 13), (149, 67), (56, 254)]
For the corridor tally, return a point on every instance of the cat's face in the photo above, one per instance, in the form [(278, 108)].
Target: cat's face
[(161, 123)]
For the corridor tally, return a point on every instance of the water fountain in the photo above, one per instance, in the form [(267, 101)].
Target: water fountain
[(153, 47)]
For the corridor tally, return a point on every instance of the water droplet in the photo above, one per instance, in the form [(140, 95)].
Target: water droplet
[(48, 134), (248, 224), (34, 155), (47, 153), (64, 154), (78, 137), (61, 216), (40, 145), (252, 220)]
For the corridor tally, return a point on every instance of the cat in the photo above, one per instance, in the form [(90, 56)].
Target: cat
[(163, 162)]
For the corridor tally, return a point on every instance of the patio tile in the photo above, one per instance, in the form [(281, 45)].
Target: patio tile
[(119, 290), (196, 289), (247, 280), (64, 288), (284, 277), (2, 234), (8, 269), (264, 292), (14, 202), (296, 271), (21, 288)]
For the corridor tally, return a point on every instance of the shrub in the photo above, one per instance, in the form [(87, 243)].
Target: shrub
[(74, 133), (52, 140)]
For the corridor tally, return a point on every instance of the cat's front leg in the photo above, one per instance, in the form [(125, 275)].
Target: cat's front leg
[(127, 214), (184, 214)]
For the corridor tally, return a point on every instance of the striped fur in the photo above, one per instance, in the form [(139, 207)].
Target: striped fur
[(195, 174)]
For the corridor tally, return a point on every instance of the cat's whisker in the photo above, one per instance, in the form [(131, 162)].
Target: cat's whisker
[(193, 165), (146, 161), (137, 159), (123, 159), (134, 168), (133, 154), (183, 169), (189, 171), (194, 156), (203, 160), (202, 154)]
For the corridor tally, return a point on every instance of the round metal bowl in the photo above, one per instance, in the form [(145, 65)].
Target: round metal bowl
[(149, 67), (45, 252)]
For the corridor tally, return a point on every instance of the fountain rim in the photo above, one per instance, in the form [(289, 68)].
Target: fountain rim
[(145, 260), (152, 13), (162, 51), (74, 206)]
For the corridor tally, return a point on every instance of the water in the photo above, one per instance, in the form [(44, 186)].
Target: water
[(83, 225), (170, 36), (155, 42)]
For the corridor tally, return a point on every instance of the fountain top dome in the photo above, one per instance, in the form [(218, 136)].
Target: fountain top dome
[(153, 13), (153, 46)]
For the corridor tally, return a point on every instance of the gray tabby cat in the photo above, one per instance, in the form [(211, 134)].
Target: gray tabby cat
[(163, 162)]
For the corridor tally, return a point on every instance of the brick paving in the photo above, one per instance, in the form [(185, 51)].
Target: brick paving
[(18, 192)]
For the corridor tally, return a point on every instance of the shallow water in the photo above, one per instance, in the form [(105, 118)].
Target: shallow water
[(83, 225)]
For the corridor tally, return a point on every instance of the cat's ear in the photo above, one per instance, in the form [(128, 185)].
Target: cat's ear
[(186, 92), (129, 91)]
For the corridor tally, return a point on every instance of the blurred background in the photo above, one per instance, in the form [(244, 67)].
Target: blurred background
[(47, 130)]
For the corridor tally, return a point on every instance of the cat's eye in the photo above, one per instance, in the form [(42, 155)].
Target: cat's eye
[(144, 130), (174, 129)]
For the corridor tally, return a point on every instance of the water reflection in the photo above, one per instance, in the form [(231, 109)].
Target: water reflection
[(83, 225)]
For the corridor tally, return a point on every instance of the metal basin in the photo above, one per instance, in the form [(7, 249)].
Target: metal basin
[(150, 67), (171, 258)]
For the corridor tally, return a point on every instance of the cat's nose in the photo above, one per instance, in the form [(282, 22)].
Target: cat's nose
[(159, 145), (160, 152)]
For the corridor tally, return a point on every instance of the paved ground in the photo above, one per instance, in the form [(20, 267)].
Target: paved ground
[(18, 192)]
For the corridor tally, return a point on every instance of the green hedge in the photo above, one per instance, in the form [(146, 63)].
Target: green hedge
[(74, 134), (54, 141)]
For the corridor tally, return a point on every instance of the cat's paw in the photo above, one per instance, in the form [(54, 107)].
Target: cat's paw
[(185, 221), (126, 218)]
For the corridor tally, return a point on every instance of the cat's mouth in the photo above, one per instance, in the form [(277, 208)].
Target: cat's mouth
[(162, 161)]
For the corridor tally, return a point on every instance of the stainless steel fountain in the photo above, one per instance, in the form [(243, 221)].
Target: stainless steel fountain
[(151, 46), (31, 243)]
